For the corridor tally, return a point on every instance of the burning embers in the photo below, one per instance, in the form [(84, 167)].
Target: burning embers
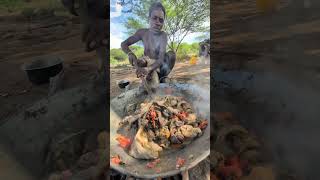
[(162, 124)]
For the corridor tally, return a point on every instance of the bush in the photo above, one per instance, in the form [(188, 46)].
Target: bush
[(137, 50), (118, 54), (185, 51), (113, 61), (28, 12), (10, 5)]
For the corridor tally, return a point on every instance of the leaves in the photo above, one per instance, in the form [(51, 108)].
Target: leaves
[(182, 18)]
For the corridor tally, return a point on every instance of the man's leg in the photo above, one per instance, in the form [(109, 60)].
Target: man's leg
[(166, 68)]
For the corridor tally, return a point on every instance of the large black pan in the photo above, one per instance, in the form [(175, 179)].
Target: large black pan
[(194, 153)]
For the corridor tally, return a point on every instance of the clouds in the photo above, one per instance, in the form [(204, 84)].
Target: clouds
[(116, 28), (115, 41), (115, 10)]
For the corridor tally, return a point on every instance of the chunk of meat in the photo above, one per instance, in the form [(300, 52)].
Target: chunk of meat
[(142, 148)]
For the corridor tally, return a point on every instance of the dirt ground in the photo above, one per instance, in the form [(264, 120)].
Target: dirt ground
[(285, 39)]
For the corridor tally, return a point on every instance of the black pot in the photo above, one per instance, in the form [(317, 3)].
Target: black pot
[(41, 69), (123, 83)]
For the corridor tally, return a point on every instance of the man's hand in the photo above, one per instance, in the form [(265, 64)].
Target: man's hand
[(93, 17), (132, 58), (95, 34), (149, 75), (141, 72)]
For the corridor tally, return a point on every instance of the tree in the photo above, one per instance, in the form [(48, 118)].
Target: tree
[(182, 17)]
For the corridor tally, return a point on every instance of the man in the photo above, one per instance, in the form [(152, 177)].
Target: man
[(155, 42), (93, 17)]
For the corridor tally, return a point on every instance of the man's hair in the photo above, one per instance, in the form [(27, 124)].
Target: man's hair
[(156, 6)]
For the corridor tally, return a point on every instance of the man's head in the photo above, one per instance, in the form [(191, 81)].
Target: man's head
[(157, 14)]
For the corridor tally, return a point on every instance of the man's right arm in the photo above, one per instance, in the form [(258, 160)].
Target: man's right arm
[(131, 40)]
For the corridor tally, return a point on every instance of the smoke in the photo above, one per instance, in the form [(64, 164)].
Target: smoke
[(284, 112), (287, 114)]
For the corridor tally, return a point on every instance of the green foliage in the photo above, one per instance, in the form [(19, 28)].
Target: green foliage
[(185, 51), (39, 7), (182, 17), (137, 50), (113, 61), (118, 54), (28, 12), (10, 5)]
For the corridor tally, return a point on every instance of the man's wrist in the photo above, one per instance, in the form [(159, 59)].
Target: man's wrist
[(130, 53)]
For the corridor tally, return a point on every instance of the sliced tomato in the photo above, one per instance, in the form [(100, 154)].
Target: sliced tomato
[(180, 162), (124, 142)]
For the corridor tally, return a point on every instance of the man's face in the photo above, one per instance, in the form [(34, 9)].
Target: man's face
[(156, 20)]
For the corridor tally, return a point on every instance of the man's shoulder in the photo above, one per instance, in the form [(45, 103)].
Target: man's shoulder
[(142, 31)]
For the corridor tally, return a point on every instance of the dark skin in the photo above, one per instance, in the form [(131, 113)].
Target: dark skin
[(154, 42)]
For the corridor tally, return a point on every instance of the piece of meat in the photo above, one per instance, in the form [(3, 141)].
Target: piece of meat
[(142, 148), (203, 124), (189, 131), (191, 118)]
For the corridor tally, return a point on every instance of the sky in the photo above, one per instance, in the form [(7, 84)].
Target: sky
[(117, 29)]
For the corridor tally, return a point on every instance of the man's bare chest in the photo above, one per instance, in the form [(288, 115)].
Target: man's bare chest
[(152, 43)]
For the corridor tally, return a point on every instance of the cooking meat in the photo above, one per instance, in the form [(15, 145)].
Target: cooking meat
[(142, 148), (164, 121)]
